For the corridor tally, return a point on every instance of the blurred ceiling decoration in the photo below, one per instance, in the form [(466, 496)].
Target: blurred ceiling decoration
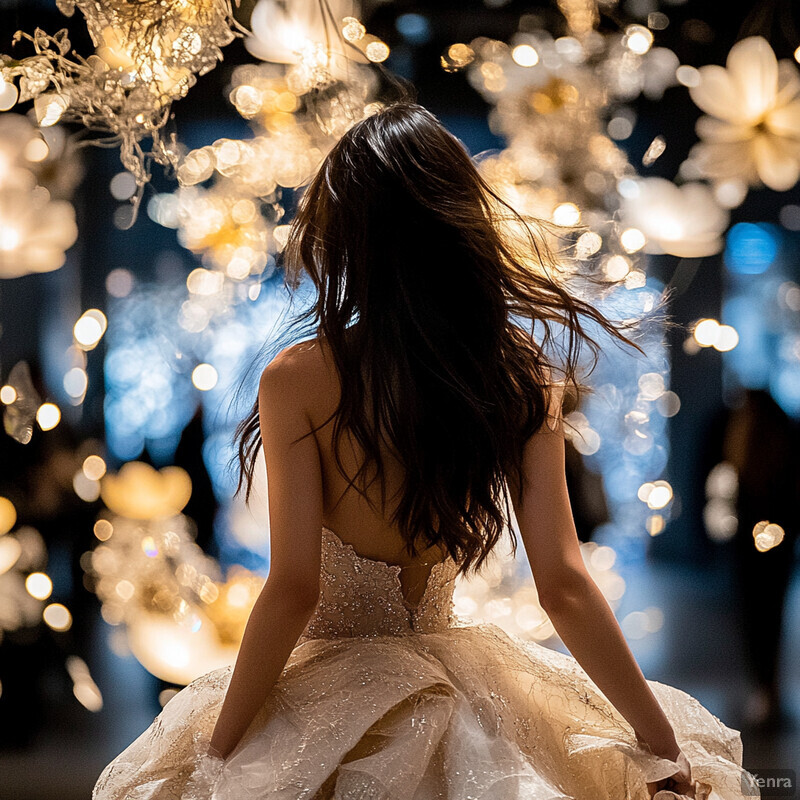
[(38, 172), (752, 131), (681, 220), (22, 601), (148, 54), (180, 617), (228, 207)]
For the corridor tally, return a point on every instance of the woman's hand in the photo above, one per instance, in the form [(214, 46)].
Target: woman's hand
[(680, 782)]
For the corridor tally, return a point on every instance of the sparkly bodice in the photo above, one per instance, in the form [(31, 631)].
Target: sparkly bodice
[(361, 596)]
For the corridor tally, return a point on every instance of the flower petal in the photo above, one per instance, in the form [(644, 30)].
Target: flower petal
[(717, 95), (722, 160), (778, 169), (788, 82), (785, 121), (753, 68), (711, 129)]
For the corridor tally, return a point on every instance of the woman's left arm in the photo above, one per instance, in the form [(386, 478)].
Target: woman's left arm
[(291, 591)]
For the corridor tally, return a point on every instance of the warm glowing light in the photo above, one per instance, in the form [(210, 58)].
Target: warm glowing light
[(89, 328), (460, 55), (727, 338), (36, 150), (49, 108), (8, 394), (94, 468), (9, 94), (39, 585), (688, 76), (205, 281), (238, 595), (352, 29), (204, 377), (525, 55), (103, 530), (138, 491), (566, 214), (149, 547), (655, 524), (767, 535), (638, 39), (8, 515), (377, 52), (87, 489), (48, 416), (76, 382), (651, 385), (57, 616), (125, 589), (706, 332), (10, 551), (9, 238), (659, 496), (88, 695), (588, 244), (797, 55), (632, 240), (616, 268)]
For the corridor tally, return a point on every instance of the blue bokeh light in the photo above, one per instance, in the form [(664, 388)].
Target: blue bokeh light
[(414, 28), (751, 248)]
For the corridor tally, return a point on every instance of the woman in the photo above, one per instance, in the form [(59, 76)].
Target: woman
[(397, 441)]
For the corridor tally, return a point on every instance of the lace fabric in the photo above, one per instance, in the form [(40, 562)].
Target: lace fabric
[(385, 700)]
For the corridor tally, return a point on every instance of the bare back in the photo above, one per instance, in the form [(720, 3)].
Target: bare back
[(345, 510)]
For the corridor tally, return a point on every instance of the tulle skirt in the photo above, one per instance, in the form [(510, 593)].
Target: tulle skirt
[(463, 713)]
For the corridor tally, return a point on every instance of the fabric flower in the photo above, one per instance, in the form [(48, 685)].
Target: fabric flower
[(753, 128), (682, 220)]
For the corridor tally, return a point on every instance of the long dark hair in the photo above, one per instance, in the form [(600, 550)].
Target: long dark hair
[(441, 328)]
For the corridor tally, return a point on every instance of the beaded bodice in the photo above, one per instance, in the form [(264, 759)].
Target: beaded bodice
[(361, 596)]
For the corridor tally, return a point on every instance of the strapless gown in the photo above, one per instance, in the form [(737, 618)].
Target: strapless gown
[(383, 701)]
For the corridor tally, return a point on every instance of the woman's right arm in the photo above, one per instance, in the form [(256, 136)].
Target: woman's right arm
[(570, 597)]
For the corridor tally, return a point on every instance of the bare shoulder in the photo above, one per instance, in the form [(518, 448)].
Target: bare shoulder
[(295, 372)]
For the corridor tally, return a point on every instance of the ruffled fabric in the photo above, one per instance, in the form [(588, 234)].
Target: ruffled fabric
[(462, 713)]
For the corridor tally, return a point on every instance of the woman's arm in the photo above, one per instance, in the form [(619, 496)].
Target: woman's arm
[(290, 593), (576, 607)]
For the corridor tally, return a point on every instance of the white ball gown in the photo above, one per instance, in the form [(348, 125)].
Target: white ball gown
[(383, 701)]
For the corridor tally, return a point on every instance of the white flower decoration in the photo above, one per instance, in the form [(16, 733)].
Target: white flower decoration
[(753, 128), (683, 220)]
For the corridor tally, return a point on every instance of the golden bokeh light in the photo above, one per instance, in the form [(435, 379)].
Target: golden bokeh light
[(616, 267), (352, 29), (706, 332), (767, 535), (39, 585), (138, 491), (377, 51), (204, 377), (103, 530), (94, 467), (57, 616), (525, 56), (48, 416), (8, 394), (89, 329), (8, 515), (566, 214), (632, 240), (638, 39)]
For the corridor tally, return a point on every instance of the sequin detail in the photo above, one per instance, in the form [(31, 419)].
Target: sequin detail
[(361, 596)]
